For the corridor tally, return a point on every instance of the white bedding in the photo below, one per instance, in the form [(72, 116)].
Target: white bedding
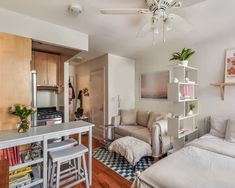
[(194, 166), (214, 144)]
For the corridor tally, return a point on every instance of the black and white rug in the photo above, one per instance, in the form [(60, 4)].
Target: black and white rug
[(120, 165)]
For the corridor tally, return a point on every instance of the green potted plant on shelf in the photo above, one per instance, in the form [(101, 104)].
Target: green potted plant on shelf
[(192, 106), (182, 56), (23, 112)]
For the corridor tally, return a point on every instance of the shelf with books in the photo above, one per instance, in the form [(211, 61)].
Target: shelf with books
[(29, 163), (36, 181), (178, 92)]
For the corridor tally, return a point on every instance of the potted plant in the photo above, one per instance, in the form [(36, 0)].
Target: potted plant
[(192, 106), (23, 112), (182, 56)]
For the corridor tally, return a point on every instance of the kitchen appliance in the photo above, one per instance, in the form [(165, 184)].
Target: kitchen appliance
[(49, 116), (43, 116), (34, 96)]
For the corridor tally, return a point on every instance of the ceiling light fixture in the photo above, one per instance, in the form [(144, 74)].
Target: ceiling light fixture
[(75, 9), (161, 20)]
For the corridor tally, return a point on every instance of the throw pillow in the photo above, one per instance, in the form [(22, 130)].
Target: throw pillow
[(142, 118), (153, 118), (230, 131), (128, 117), (218, 126)]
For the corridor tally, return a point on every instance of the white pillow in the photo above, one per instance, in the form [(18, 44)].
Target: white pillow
[(230, 131), (218, 126)]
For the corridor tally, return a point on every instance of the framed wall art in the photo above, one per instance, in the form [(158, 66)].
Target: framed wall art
[(154, 85), (230, 66)]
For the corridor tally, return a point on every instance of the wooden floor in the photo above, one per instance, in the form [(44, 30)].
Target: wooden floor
[(103, 177)]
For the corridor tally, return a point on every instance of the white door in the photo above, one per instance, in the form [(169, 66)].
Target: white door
[(97, 101)]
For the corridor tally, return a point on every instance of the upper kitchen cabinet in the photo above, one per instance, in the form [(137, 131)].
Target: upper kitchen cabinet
[(40, 65), (46, 66), (52, 69)]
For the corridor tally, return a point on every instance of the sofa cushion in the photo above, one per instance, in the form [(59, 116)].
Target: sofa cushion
[(230, 131), (142, 118), (142, 134), (128, 117), (153, 117), (218, 126), (126, 130)]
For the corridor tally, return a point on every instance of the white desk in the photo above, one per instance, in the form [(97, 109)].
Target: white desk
[(43, 134)]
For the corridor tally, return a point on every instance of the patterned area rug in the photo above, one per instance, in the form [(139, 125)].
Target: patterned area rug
[(120, 165)]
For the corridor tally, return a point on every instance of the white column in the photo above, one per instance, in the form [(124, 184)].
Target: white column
[(66, 92)]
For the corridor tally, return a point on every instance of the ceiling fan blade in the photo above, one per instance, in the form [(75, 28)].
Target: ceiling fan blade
[(187, 3), (145, 30), (148, 28), (125, 11), (180, 23)]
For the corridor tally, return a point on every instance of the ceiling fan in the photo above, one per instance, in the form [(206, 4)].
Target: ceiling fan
[(161, 19)]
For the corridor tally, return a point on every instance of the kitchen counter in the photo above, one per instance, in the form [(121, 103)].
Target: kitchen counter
[(43, 134)]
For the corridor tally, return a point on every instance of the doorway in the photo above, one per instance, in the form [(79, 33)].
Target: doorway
[(97, 101)]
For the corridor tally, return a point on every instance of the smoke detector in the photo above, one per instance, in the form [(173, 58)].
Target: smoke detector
[(75, 9)]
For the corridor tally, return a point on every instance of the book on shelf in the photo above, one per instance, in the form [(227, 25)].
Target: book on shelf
[(12, 154), (20, 177), (183, 130)]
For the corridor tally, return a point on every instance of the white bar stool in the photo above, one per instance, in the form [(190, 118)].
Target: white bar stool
[(56, 146), (61, 156)]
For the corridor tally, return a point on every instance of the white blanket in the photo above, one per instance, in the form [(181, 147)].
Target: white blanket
[(214, 144), (190, 167)]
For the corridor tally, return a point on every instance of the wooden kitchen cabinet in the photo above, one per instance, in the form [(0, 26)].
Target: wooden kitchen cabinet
[(40, 65), (46, 66), (52, 69)]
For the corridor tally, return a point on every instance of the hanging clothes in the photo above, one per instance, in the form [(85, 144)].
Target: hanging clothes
[(71, 93)]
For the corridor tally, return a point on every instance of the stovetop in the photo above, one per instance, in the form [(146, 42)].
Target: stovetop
[(48, 113)]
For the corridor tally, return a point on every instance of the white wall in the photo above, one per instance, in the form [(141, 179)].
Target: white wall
[(121, 83), (83, 72), (209, 58), (19, 24)]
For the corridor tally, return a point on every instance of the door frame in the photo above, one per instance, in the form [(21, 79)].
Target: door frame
[(104, 98)]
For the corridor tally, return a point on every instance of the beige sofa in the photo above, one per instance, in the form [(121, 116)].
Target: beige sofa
[(150, 127)]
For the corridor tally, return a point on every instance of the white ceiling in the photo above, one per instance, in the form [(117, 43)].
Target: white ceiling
[(117, 34)]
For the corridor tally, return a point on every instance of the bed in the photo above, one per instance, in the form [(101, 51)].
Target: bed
[(198, 165)]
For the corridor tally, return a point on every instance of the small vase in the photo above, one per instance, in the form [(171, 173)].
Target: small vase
[(23, 125), (190, 113), (184, 63)]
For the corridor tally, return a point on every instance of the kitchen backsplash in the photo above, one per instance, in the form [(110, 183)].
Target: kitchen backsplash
[(47, 99)]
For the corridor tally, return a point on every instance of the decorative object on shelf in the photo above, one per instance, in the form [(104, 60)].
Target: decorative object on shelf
[(230, 66), (186, 93), (36, 150), (86, 92), (192, 106), (176, 80), (154, 85), (182, 56), (23, 112)]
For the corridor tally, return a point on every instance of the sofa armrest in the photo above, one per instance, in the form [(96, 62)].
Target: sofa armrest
[(116, 120), (159, 129)]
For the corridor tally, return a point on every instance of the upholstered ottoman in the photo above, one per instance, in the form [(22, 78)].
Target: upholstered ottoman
[(131, 148)]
